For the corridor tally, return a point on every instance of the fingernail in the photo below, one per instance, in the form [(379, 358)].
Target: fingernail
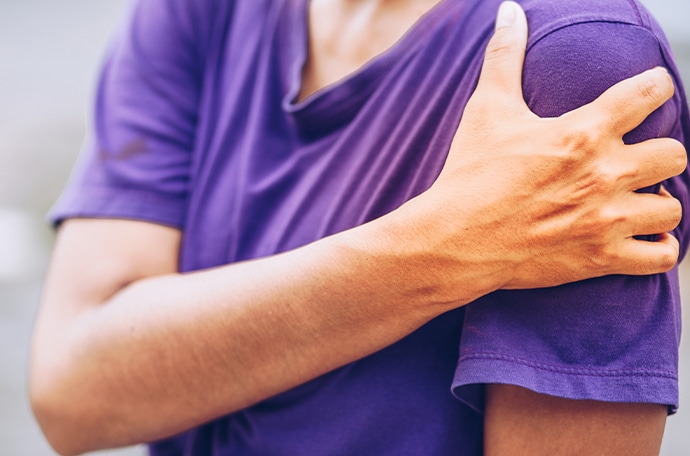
[(507, 13)]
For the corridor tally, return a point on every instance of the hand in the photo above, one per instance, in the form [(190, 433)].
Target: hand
[(533, 202)]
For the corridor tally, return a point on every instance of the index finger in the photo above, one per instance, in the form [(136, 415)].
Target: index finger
[(628, 103)]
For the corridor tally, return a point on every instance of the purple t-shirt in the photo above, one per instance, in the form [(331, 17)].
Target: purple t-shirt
[(197, 127)]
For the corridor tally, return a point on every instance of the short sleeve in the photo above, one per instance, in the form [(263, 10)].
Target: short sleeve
[(135, 162), (611, 339)]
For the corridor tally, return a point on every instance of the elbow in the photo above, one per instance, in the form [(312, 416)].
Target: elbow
[(68, 417), (75, 416), (56, 417), (63, 404), (69, 396)]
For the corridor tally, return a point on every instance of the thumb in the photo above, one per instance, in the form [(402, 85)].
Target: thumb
[(505, 54)]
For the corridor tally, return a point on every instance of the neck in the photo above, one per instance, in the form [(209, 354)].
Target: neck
[(346, 34)]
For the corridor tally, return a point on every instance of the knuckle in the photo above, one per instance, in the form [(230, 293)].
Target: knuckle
[(668, 259), (581, 139), (652, 90), (599, 181), (601, 236), (630, 172), (610, 217), (607, 175), (501, 46), (603, 258)]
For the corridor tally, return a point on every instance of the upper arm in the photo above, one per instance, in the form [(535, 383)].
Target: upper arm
[(578, 356), (121, 215), (95, 258), (92, 261), (122, 212), (520, 421)]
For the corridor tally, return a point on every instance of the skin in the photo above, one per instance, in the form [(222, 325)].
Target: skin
[(346, 34), (127, 350), (519, 421)]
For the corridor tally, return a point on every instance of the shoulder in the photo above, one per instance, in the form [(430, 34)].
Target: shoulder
[(597, 28), (580, 48), (546, 16), (192, 24)]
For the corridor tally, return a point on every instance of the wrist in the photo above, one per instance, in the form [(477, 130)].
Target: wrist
[(430, 256)]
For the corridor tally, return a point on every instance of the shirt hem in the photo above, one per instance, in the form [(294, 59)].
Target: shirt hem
[(599, 384), (118, 204)]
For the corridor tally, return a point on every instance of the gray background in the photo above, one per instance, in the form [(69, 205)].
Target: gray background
[(49, 55)]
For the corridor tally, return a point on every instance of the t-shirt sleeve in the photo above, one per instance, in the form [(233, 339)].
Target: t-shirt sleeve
[(135, 163), (610, 339)]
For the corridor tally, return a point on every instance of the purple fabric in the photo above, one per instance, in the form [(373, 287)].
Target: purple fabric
[(197, 128)]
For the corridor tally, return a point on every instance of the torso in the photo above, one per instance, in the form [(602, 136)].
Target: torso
[(299, 142)]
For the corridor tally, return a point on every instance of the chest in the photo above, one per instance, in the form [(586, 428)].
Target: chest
[(272, 172)]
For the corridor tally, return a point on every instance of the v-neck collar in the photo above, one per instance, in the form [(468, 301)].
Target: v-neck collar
[(338, 102)]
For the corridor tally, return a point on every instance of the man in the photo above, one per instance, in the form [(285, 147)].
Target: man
[(335, 241)]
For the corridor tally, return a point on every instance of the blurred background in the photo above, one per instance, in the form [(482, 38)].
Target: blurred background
[(49, 56)]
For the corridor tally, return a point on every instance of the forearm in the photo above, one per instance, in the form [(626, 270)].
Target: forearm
[(169, 352)]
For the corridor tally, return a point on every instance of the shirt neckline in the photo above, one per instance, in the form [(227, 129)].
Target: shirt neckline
[(337, 102)]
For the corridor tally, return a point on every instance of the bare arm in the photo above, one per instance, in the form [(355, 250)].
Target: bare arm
[(156, 352), (519, 421)]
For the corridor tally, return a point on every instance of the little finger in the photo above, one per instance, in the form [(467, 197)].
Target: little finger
[(645, 258)]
